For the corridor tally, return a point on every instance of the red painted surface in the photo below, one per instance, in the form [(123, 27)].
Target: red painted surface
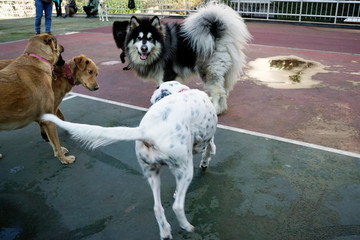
[(328, 114)]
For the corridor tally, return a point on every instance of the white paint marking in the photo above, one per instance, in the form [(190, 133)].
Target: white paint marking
[(234, 129)]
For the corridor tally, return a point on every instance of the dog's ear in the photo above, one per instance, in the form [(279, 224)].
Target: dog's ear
[(155, 21), (50, 40), (160, 95), (134, 23), (81, 62)]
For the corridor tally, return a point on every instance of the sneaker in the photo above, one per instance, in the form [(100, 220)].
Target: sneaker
[(87, 16), (66, 15), (48, 32), (37, 32)]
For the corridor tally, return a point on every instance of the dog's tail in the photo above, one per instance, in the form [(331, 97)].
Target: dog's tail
[(217, 25), (95, 136)]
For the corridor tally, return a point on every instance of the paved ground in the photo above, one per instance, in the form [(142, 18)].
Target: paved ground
[(257, 187), (327, 114)]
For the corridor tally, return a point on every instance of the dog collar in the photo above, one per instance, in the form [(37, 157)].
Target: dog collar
[(182, 90), (40, 58), (68, 75)]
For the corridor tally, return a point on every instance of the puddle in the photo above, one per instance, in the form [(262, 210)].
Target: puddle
[(285, 72)]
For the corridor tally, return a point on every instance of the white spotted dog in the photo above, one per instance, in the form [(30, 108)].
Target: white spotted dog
[(102, 8), (180, 122)]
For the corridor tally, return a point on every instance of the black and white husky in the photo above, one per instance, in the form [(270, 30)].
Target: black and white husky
[(209, 43)]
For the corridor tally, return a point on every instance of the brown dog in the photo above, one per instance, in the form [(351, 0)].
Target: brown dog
[(78, 70), (26, 89)]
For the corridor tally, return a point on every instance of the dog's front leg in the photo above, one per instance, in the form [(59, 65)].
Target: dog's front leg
[(51, 131), (206, 155)]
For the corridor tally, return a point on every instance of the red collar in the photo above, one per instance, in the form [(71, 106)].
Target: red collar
[(182, 90), (40, 58), (68, 75)]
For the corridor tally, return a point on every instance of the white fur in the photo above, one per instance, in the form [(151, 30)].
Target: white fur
[(174, 127), (216, 34), (223, 58), (102, 9)]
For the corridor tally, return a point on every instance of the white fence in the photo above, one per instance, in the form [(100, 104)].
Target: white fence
[(333, 11), (309, 10), (17, 8)]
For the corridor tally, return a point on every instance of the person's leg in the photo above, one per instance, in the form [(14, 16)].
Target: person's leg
[(60, 8), (48, 12), (67, 11), (71, 11), (39, 13), (87, 10), (57, 9)]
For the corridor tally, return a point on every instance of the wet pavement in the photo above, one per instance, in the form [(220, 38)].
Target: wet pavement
[(256, 187), (326, 114)]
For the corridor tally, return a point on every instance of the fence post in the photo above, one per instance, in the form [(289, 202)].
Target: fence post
[(268, 11), (301, 7), (162, 7), (336, 11)]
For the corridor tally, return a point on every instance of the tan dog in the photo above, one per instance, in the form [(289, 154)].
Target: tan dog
[(26, 90), (79, 70)]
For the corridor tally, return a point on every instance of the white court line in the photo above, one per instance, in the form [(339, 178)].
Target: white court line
[(108, 101), (234, 129), (302, 49)]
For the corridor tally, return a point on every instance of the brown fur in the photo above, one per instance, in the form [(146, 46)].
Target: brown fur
[(27, 90)]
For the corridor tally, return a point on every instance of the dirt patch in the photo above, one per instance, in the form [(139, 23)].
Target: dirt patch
[(285, 72)]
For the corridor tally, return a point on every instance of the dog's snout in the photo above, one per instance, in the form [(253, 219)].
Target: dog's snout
[(144, 48), (96, 87)]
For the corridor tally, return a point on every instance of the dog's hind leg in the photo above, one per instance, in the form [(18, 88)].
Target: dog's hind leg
[(183, 175), (213, 74), (51, 131), (215, 85), (152, 173), (154, 181), (43, 134)]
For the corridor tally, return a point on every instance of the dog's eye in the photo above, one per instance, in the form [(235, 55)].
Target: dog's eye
[(90, 72), (150, 38)]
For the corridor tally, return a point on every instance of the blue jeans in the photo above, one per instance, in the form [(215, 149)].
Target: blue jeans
[(40, 8)]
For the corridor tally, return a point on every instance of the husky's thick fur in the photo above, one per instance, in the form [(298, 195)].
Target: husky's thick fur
[(209, 43)]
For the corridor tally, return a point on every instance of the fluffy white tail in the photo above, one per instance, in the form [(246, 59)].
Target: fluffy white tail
[(95, 136), (217, 23)]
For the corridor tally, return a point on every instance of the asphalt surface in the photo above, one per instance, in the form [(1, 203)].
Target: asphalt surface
[(266, 181)]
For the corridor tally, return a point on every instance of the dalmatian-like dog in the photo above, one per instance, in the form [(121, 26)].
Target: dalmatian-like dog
[(102, 9), (180, 122)]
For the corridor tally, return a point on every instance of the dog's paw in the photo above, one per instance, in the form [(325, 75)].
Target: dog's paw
[(64, 150), (68, 159), (165, 232), (189, 228)]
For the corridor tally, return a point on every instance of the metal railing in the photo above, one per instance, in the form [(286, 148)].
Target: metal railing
[(17, 8), (336, 11), (332, 11)]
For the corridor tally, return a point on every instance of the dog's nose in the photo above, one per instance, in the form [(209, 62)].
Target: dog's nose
[(96, 87), (144, 48)]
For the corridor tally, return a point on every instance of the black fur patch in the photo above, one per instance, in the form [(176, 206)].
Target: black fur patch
[(164, 93)]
